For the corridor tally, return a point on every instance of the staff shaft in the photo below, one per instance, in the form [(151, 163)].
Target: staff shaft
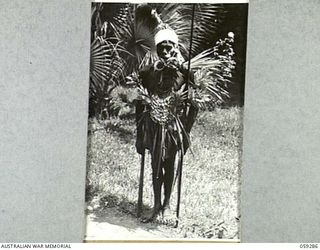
[(140, 195)]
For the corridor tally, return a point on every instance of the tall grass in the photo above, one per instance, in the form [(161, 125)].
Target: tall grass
[(211, 173)]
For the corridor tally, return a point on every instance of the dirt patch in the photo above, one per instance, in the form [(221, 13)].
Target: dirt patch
[(110, 224)]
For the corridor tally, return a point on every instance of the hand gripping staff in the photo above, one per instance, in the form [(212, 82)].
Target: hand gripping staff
[(179, 168)]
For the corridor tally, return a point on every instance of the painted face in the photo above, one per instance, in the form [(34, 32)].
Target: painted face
[(166, 50)]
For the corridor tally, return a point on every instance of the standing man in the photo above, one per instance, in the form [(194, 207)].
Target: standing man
[(164, 116)]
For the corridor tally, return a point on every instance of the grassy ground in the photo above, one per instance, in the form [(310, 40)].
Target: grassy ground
[(211, 183)]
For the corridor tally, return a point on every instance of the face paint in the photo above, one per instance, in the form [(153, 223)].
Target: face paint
[(166, 50)]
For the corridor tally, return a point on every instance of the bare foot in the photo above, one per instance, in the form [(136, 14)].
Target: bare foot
[(168, 215), (153, 217)]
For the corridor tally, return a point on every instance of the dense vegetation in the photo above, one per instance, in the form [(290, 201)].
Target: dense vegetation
[(120, 47)]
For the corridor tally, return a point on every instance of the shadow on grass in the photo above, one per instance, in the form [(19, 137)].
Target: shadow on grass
[(122, 212), (124, 129), (125, 135)]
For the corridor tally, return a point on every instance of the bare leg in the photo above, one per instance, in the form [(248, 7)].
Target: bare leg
[(168, 180), (168, 186), (157, 181), (157, 185)]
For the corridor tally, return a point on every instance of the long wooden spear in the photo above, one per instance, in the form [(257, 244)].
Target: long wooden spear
[(181, 159), (140, 195)]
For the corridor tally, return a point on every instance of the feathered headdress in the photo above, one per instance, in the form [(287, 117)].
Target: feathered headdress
[(212, 67)]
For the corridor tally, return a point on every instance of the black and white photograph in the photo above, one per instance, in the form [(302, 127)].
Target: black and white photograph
[(165, 121)]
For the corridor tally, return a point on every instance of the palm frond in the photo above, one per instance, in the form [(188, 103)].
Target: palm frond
[(148, 59), (206, 21), (136, 31), (124, 43), (133, 30), (213, 70), (144, 95), (100, 59), (122, 23), (105, 60), (106, 72)]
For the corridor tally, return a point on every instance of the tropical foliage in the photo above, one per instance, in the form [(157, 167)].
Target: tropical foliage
[(122, 44)]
